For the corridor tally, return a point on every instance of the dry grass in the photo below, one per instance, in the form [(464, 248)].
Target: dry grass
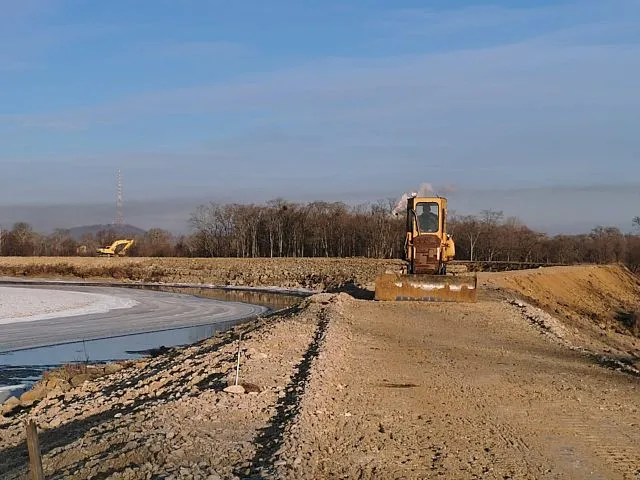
[(65, 372)]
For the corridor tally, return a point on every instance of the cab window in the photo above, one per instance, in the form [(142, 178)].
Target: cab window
[(428, 215)]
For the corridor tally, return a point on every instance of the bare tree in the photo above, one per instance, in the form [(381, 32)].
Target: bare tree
[(468, 228), (20, 241), (212, 224), (155, 243), (59, 243), (490, 220)]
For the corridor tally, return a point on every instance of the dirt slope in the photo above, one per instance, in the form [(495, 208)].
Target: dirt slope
[(599, 305)]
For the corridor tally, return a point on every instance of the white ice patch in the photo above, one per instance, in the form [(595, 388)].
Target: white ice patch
[(31, 304), (12, 391)]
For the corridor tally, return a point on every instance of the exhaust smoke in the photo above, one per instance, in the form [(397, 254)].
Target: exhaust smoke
[(424, 190)]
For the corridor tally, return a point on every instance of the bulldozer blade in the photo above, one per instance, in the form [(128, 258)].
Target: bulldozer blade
[(426, 288)]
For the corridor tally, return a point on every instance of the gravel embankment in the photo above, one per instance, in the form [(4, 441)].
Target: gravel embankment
[(168, 417)]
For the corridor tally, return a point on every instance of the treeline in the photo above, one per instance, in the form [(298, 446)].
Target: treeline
[(285, 229), (23, 241), (490, 237)]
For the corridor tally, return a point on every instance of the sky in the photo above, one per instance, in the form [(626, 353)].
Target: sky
[(530, 107)]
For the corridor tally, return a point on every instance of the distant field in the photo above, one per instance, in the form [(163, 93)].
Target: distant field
[(315, 273)]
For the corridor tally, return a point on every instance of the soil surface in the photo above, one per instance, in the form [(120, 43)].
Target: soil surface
[(530, 382), (312, 273)]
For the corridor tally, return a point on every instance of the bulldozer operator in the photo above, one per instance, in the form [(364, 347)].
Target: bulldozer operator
[(427, 219)]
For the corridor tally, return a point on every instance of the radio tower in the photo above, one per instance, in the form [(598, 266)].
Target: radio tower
[(119, 220)]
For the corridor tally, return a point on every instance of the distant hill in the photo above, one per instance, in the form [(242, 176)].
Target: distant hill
[(124, 231)]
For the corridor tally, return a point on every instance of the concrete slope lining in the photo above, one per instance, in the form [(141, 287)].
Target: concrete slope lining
[(29, 305), (152, 311)]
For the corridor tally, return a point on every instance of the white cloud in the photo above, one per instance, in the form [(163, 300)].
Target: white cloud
[(469, 21), (543, 71), (516, 76), (515, 114)]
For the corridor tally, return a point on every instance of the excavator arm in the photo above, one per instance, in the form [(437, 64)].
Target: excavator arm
[(117, 248)]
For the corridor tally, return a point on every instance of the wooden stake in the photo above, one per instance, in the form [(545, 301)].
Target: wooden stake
[(238, 364), (35, 458)]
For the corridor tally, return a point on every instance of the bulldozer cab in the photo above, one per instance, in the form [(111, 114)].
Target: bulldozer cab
[(427, 247)]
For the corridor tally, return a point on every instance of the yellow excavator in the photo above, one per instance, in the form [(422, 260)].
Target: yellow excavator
[(428, 248), (118, 248)]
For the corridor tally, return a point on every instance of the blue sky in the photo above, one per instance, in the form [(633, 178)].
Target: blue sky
[(332, 100)]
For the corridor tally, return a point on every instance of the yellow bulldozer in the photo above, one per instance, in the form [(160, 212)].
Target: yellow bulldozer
[(428, 248), (118, 248)]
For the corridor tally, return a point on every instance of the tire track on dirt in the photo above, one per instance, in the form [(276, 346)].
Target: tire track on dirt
[(271, 438)]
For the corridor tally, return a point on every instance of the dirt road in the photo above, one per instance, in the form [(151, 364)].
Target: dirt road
[(459, 391)]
